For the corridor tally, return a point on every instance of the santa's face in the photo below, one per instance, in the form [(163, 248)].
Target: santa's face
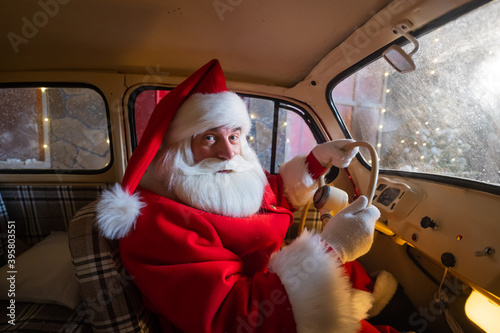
[(222, 143), (215, 171)]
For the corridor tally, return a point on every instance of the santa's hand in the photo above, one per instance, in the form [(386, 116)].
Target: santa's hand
[(333, 152), (350, 232)]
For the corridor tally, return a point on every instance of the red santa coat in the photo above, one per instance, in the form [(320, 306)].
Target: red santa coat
[(203, 272), (208, 273)]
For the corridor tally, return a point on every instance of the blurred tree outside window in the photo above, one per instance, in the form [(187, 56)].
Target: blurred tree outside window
[(443, 118)]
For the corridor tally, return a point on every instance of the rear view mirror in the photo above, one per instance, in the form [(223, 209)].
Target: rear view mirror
[(399, 59), (396, 56)]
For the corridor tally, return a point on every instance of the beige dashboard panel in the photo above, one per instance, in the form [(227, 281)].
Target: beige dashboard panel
[(447, 222)]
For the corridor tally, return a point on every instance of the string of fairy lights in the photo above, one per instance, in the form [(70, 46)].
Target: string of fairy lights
[(407, 140), (46, 119)]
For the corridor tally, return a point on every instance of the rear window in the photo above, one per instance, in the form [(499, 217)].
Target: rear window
[(53, 129), (443, 118)]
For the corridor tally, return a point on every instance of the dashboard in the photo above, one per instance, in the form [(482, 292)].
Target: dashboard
[(448, 225), (395, 200)]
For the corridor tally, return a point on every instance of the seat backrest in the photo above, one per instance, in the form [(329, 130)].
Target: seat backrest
[(111, 300)]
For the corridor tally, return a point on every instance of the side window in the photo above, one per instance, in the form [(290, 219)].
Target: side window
[(53, 129), (279, 131), (443, 118)]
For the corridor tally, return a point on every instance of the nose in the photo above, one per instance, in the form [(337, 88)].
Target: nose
[(225, 150)]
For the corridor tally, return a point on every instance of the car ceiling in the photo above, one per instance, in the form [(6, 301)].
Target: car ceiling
[(267, 42)]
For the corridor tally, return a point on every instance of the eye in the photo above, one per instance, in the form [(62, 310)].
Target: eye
[(234, 137), (209, 137)]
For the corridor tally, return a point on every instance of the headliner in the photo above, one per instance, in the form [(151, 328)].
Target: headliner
[(267, 42)]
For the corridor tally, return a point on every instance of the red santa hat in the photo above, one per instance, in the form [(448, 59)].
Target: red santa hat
[(199, 103)]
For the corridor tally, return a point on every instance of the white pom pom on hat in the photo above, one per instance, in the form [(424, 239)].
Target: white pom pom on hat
[(199, 103)]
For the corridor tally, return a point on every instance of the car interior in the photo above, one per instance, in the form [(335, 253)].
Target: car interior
[(415, 82)]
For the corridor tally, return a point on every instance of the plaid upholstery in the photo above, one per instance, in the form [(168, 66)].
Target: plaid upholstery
[(111, 300), (38, 210), (32, 317), (313, 222)]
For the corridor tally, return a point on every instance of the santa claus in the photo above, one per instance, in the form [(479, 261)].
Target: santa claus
[(201, 223)]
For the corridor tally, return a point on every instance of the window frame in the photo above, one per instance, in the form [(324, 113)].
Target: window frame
[(278, 104), (449, 180), (65, 84)]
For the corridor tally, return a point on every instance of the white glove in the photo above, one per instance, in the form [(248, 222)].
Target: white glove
[(332, 152), (350, 232)]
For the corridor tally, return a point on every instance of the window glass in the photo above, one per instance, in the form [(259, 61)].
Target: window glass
[(49, 128), (294, 136), (443, 118), (279, 131), (261, 134), (144, 105)]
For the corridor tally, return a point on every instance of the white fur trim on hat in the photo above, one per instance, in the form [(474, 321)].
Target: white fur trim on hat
[(201, 112), (317, 286), (298, 184), (117, 212)]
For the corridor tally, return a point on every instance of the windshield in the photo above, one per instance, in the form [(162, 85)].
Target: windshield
[(443, 118)]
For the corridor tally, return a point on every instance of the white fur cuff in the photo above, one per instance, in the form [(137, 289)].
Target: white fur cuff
[(317, 286), (298, 184), (385, 287)]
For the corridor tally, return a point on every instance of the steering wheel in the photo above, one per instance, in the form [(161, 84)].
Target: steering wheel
[(326, 189), (372, 185)]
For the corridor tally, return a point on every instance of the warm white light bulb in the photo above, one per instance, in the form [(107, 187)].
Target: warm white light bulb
[(483, 312)]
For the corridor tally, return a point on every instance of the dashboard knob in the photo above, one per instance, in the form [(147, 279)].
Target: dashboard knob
[(427, 222), (486, 252), (448, 259)]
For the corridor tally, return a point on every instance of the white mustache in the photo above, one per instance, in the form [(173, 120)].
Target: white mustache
[(214, 165)]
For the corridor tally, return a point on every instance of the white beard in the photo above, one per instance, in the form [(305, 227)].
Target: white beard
[(237, 193)]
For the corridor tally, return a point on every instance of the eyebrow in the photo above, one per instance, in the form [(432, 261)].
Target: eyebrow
[(215, 129)]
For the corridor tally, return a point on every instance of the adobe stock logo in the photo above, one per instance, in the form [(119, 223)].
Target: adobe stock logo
[(31, 26), (221, 7)]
